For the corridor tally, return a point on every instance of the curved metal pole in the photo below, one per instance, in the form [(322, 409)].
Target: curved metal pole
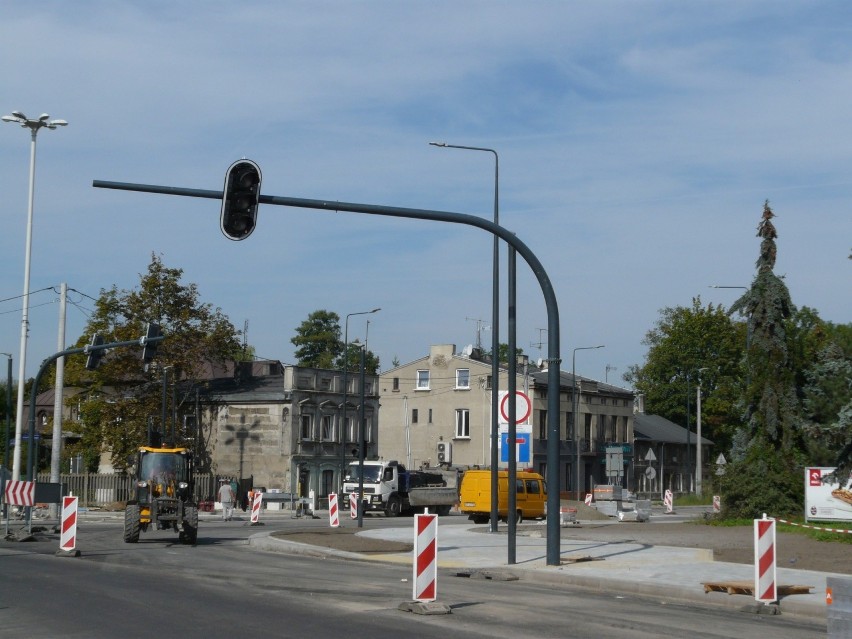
[(510, 238)]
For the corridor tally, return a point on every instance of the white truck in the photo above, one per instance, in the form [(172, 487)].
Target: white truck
[(390, 488)]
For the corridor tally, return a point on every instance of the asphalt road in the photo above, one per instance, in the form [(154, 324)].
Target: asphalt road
[(224, 588)]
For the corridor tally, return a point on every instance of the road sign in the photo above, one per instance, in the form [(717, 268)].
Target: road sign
[(523, 407), (650, 456), (523, 444), (650, 472)]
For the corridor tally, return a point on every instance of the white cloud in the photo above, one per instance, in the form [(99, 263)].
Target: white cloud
[(637, 143)]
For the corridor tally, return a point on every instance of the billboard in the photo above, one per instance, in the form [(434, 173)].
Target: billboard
[(826, 500)]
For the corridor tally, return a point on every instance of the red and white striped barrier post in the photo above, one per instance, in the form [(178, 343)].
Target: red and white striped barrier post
[(68, 534), (588, 499), (256, 501), (425, 557), (353, 506), (765, 584), (333, 513), (717, 504), (668, 502)]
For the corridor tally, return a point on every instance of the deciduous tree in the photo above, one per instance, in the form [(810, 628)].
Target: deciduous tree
[(123, 396)]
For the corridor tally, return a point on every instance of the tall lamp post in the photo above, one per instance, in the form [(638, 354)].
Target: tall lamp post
[(43, 121), (495, 327), (699, 477), (574, 405), (8, 424), (345, 382)]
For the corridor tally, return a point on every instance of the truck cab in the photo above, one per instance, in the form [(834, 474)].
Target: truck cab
[(388, 487)]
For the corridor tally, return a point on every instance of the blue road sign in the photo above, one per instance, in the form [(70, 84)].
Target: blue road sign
[(522, 441)]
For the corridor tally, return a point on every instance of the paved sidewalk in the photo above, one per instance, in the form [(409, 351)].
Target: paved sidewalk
[(664, 572)]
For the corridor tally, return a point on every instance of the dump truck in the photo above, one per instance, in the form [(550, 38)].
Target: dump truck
[(390, 488), (163, 496)]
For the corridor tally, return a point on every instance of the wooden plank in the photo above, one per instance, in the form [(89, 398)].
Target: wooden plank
[(747, 588)]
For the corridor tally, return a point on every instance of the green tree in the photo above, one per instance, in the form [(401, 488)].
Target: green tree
[(503, 351), (123, 396), (317, 340), (768, 455), (688, 346), (828, 409), (771, 407), (319, 345)]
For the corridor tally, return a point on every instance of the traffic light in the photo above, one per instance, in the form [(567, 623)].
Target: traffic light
[(240, 200), (94, 357), (149, 349)]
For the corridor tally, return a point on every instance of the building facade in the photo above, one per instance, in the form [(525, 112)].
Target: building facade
[(288, 429), (437, 409)]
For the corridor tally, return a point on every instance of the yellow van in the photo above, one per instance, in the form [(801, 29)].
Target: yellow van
[(475, 495)]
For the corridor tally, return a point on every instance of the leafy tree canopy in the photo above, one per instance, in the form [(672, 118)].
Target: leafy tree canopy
[(319, 345), (123, 395), (692, 346)]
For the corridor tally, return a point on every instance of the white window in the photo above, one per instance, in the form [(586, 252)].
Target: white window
[(463, 378), (462, 423), (351, 429), (422, 380), (328, 428), (307, 426)]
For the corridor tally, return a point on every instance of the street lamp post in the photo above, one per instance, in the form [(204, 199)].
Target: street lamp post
[(699, 478), (8, 424), (574, 406), (345, 381), (495, 327), (43, 121)]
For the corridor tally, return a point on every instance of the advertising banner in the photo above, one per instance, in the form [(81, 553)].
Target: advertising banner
[(826, 500)]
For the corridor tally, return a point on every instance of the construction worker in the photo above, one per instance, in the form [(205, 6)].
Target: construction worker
[(226, 496)]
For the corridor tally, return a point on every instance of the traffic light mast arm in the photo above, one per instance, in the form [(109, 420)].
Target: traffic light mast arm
[(553, 357), (88, 349)]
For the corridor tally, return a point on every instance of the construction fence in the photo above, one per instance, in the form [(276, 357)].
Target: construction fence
[(97, 490)]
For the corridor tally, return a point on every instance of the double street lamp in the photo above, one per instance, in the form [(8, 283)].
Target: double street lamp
[(345, 382), (495, 326), (574, 406), (43, 122)]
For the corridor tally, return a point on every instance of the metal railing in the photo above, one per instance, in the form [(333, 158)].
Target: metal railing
[(99, 490)]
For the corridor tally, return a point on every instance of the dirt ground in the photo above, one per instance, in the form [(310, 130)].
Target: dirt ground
[(733, 544)]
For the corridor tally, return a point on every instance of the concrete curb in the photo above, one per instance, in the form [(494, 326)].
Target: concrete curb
[(552, 575)]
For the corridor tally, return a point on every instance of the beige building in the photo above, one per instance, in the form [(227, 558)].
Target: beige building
[(437, 409), (441, 399), (286, 427)]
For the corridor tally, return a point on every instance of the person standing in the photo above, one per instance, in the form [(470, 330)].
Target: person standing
[(226, 496)]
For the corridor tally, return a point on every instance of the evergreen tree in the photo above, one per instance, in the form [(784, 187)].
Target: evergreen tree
[(771, 406), (828, 409), (768, 458)]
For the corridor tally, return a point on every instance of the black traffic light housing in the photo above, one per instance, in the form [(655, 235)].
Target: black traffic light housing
[(240, 200), (149, 348), (94, 357)]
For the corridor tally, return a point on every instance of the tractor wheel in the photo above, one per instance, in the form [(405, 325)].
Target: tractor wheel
[(394, 506), (190, 525), (131, 524), (520, 517)]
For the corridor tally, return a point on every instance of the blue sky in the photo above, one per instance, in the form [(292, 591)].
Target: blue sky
[(637, 144)]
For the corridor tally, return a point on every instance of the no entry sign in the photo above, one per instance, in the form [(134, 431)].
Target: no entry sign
[(523, 408)]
